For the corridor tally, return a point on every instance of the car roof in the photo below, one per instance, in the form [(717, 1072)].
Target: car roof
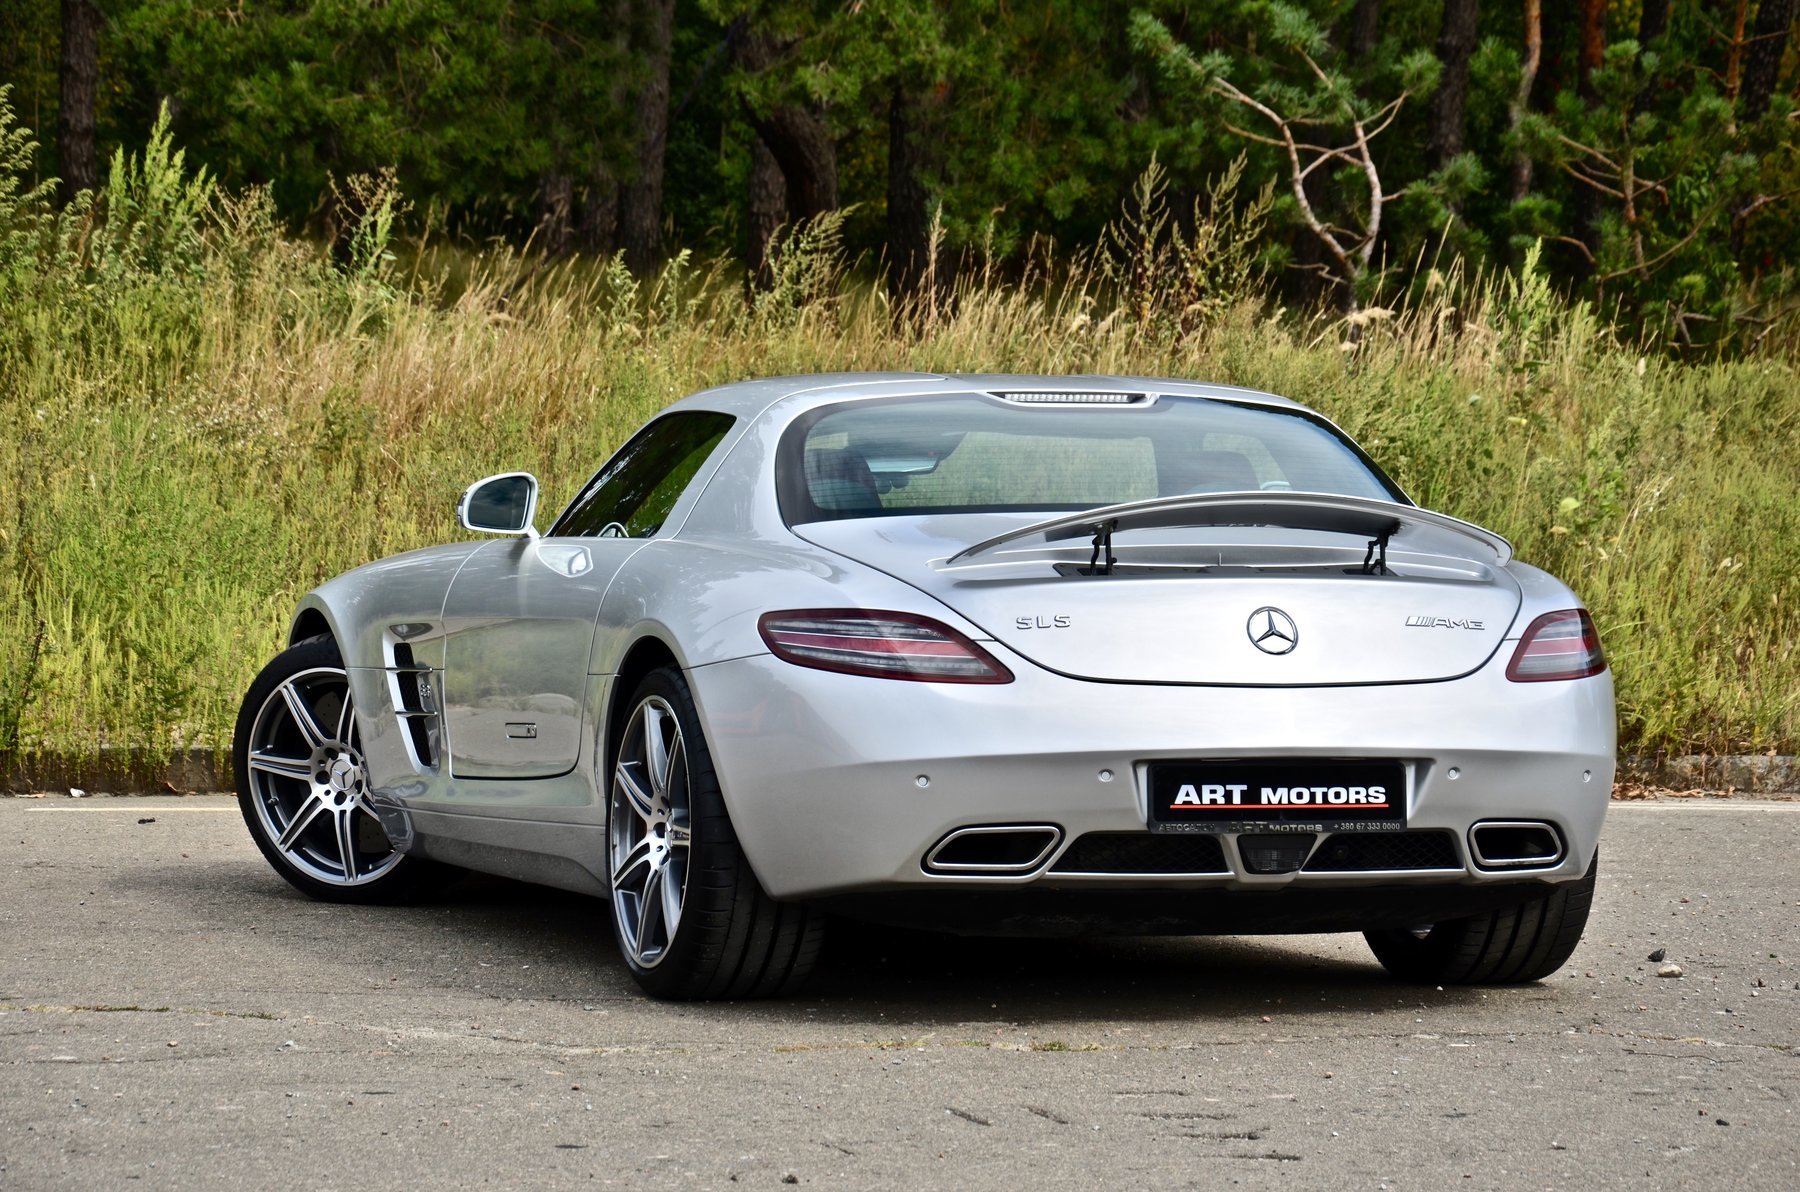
[(746, 399)]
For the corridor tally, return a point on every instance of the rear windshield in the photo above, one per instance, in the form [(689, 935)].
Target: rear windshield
[(978, 454)]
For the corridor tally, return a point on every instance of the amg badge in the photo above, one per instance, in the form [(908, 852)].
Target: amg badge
[(1424, 622)]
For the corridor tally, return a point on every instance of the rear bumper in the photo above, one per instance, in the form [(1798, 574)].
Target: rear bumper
[(839, 784)]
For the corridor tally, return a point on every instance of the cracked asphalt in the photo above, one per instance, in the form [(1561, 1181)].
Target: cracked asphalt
[(173, 1015)]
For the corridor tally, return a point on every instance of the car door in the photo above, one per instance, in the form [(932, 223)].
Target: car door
[(520, 615), (519, 624)]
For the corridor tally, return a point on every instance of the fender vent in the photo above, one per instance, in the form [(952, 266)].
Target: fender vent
[(416, 705)]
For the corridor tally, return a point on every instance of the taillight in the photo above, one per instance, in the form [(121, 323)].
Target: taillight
[(1559, 645), (884, 645)]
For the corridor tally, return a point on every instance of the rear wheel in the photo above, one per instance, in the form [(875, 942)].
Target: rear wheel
[(691, 919), (303, 785), (1505, 947)]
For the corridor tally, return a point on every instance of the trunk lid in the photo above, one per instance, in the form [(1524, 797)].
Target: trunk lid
[(1236, 590)]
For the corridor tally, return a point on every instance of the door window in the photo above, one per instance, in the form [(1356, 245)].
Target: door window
[(632, 495)]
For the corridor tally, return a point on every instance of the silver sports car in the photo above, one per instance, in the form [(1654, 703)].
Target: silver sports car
[(993, 654)]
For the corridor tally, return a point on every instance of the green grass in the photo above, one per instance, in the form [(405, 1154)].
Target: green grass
[(201, 418)]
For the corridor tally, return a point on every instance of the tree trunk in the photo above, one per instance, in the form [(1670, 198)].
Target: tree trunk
[(1593, 45), (641, 199), (797, 137), (555, 204), (1311, 280), (807, 157), (1587, 200), (1734, 55), (908, 199), (1528, 72), (1653, 22), (1456, 41), (1365, 29), (1762, 65), (1762, 58), (768, 210), (80, 156), (599, 234)]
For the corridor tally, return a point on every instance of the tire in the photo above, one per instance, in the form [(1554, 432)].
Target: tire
[(1513, 946), (690, 917), (303, 786)]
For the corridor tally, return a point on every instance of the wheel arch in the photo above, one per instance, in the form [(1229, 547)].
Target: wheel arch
[(644, 655), (312, 621)]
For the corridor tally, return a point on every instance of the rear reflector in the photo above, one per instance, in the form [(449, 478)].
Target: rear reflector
[(1559, 645), (879, 644)]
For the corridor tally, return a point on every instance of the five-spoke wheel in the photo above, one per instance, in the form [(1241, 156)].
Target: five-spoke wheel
[(648, 833), (303, 784), (691, 919)]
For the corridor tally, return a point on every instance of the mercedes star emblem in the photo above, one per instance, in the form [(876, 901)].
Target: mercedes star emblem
[(1272, 631)]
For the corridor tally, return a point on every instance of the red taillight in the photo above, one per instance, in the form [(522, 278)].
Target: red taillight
[(1560, 645), (884, 645)]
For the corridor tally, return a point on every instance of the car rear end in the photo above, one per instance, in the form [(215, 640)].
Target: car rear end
[(1207, 670)]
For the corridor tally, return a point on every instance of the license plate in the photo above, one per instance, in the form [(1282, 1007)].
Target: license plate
[(1300, 794)]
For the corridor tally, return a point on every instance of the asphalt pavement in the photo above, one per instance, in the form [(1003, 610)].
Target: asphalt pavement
[(173, 1015)]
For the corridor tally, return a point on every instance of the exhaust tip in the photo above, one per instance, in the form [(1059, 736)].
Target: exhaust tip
[(994, 850), (1515, 844)]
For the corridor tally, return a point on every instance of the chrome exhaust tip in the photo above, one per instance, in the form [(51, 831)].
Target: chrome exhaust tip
[(1516, 844), (994, 850)]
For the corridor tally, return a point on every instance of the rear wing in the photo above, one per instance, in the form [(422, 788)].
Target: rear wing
[(1376, 521)]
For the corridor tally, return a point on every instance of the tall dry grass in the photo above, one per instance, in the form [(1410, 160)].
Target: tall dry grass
[(201, 417)]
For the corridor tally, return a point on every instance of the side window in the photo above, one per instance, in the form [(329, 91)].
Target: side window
[(632, 495)]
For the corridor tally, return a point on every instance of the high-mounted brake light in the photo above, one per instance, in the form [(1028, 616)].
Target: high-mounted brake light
[(1089, 398), (880, 644), (1559, 645)]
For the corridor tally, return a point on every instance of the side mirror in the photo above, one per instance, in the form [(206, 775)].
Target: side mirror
[(503, 504)]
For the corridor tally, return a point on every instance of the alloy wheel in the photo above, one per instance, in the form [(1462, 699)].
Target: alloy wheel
[(309, 784), (649, 832)]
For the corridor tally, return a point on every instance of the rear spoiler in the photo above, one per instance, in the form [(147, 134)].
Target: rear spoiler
[(1374, 520)]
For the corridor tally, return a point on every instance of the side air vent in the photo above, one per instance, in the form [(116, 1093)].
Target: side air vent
[(1050, 397), (1135, 854), (1001, 850), (416, 705)]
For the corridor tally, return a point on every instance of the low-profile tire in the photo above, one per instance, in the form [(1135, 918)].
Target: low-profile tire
[(1513, 946), (690, 917), (303, 785)]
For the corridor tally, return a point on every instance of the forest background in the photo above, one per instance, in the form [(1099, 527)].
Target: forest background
[(263, 266)]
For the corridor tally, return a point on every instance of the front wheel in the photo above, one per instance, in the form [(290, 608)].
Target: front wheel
[(691, 919), (303, 785), (1513, 946)]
